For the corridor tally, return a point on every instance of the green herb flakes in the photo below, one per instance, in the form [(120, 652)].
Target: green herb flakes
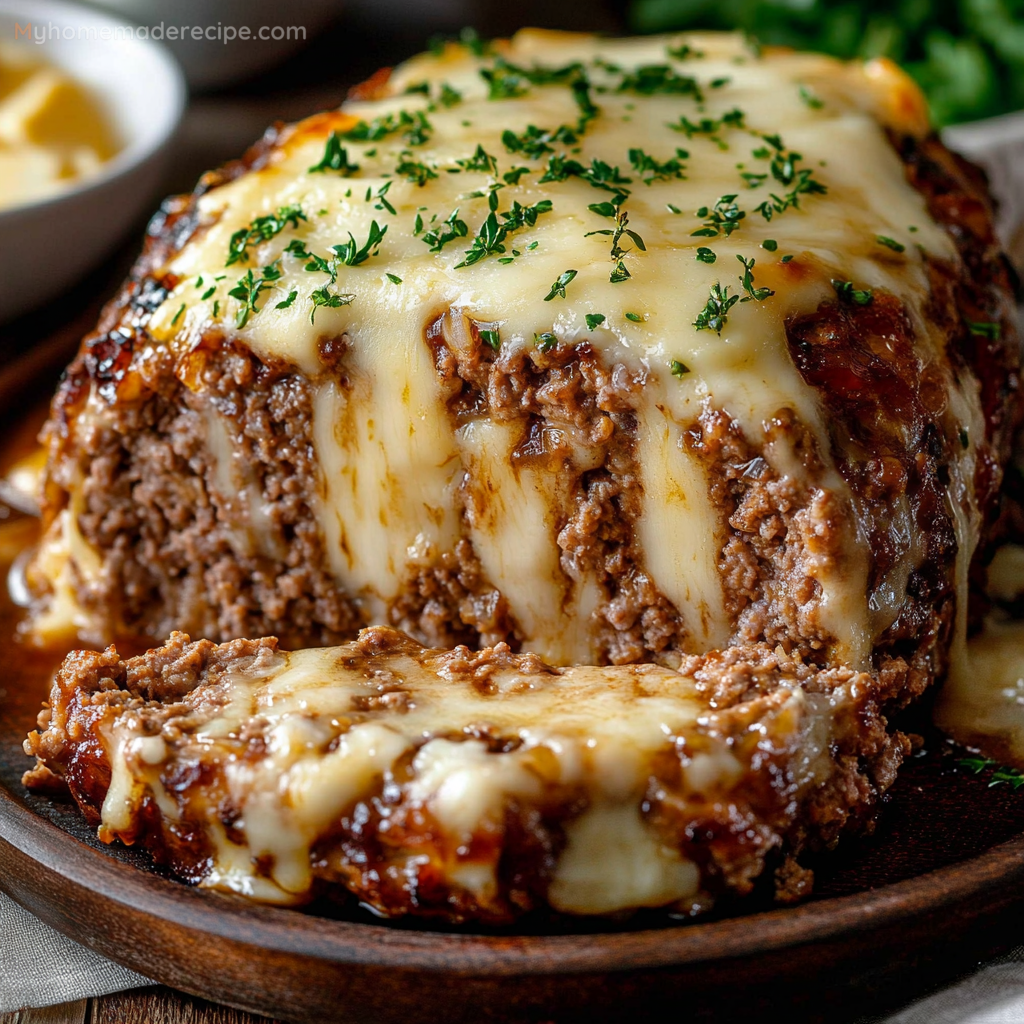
[(847, 293), (594, 320), (559, 286), (335, 158)]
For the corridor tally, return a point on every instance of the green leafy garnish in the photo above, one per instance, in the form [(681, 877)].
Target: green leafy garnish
[(721, 219), (335, 158), (546, 341), (413, 170), (890, 243), (753, 294), (558, 288), (481, 160), (620, 273), (285, 303), (809, 97), (679, 369), (594, 320), (491, 338), (415, 128), (715, 314), (177, 316), (770, 245), (393, 278), (262, 229), (652, 170), (652, 79), (706, 255), (447, 231), (352, 254), (848, 293), (985, 328), (250, 287), (635, 318), (323, 297)]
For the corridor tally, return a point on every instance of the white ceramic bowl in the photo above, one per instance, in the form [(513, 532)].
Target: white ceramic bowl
[(209, 61), (46, 246)]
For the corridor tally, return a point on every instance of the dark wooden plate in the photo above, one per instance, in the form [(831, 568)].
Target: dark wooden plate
[(939, 885)]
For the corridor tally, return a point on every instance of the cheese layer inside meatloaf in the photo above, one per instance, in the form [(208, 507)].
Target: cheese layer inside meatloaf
[(610, 349), (466, 784)]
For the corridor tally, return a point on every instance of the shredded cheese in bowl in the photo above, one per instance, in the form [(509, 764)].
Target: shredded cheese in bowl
[(53, 132)]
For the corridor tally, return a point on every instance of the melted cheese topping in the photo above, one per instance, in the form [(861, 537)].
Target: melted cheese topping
[(391, 459), (594, 735)]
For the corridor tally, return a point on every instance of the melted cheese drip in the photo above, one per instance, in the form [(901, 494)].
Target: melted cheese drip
[(592, 731), (388, 455), (982, 702)]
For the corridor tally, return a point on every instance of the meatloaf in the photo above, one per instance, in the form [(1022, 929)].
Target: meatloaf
[(466, 785), (610, 352)]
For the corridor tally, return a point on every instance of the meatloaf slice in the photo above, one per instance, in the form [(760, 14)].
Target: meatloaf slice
[(466, 785)]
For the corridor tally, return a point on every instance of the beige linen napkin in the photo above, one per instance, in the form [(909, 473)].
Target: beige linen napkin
[(40, 967)]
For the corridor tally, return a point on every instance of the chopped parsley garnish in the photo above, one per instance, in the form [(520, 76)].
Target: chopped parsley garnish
[(208, 294), (683, 51), (382, 203), (512, 177), (651, 170), (335, 158), (770, 245), (285, 303), (753, 180), (545, 342), (608, 209), (620, 273), (809, 97), (415, 128), (621, 228), (491, 337), (672, 208), (417, 87), (535, 142), (721, 219), (177, 316), (262, 229), (508, 81), (481, 160), (490, 239), (847, 293), (985, 328), (710, 126), (558, 288), (250, 287), (718, 83), (1012, 777), (445, 232), (753, 294), (322, 296), (393, 278), (784, 170), (352, 254), (890, 243), (635, 318), (413, 170), (651, 79), (715, 314), (679, 369), (594, 320), (706, 255), (787, 258), (216, 307), (449, 97)]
